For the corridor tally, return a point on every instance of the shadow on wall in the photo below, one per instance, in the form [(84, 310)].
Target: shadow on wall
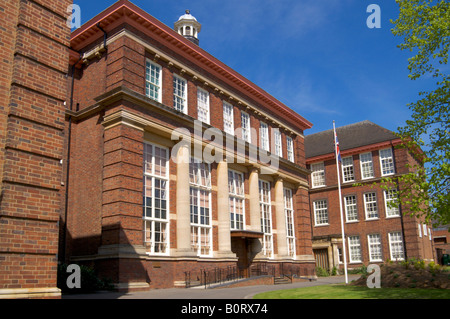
[(115, 267)]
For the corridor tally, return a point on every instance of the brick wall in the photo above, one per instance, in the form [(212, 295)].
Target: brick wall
[(105, 191), (34, 48), (415, 246)]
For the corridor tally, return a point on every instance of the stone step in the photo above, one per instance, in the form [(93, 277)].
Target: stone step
[(281, 280)]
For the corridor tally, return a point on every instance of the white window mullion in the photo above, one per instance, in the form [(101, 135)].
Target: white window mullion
[(264, 136), (290, 148), (203, 106), (386, 162), (351, 213), (228, 118), (179, 94), (153, 80), (156, 206), (354, 247), (245, 127), (277, 142), (374, 243), (347, 169), (366, 165), (289, 215), (396, 246), (236, 200), (266, 218), (390, 196), (370, 204), (320, 212), (200, 206), (318, 174)]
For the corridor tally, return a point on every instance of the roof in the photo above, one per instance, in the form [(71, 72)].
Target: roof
[(350, 137), (123, 11), (187, 16)]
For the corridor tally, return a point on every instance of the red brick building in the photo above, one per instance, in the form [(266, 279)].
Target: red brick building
[(176, 163), (441, 238), (374, 231), (34, 42)]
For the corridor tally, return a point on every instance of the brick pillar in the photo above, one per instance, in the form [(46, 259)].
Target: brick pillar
[(303, 225), (34, 41), (122, 225)]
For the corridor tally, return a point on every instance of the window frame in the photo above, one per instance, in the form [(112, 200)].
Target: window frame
[(391, 242), (234, 196), (320, 209), (203, 105), (148, 83), (153, 220), (278, 145), (290, 149), (366, 203), (245, 127), (228, 123), (266, 215), (345, 168), (264, 136), (355, 205), (389, 210), (184, 98), (390, 163), (352, 245), (290, 223), (368, 162), (375, 256), (198, 187), (320, 171)]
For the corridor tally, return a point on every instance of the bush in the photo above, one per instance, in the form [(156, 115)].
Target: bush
[(360, 270), (88, 278), (322, 272), (334, 271)]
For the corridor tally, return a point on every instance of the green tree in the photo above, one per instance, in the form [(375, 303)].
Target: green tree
[(425, 28)]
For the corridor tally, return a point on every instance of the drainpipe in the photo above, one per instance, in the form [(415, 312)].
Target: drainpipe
[(104, 37), (400, 205), (69, 138)]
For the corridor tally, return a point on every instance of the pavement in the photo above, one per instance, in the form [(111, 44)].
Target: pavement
[(215, 293)]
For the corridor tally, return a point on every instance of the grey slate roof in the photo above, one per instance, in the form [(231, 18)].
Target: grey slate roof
[(349, 136)]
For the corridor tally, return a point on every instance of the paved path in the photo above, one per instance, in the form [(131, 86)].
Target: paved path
[(217, 293)]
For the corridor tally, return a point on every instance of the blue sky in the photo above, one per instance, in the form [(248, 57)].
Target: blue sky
[(317, 57)]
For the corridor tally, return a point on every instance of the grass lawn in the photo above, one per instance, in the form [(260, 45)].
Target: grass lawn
[(342, 291)]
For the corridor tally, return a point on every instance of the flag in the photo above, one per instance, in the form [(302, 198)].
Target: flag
[(338, 151)]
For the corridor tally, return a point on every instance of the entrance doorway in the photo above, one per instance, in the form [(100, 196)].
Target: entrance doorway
[(321, 256), (245, 245)]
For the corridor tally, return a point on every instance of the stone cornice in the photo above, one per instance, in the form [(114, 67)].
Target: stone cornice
[(354, 151), (289, 171)]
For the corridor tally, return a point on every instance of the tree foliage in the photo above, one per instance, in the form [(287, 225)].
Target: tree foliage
[(425, 28)]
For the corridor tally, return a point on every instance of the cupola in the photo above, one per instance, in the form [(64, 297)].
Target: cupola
[(188, 26)]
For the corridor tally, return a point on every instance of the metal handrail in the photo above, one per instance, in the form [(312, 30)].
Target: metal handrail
[(217, 275)]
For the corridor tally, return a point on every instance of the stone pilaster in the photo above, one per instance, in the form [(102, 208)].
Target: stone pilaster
[(280, 219), (183, 203), (223, 211), (255, 214)]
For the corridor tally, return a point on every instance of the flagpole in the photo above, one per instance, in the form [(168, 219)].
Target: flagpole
[(340, 203)]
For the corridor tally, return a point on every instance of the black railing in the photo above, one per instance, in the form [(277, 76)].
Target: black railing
[(217, 275), (213, 276)]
